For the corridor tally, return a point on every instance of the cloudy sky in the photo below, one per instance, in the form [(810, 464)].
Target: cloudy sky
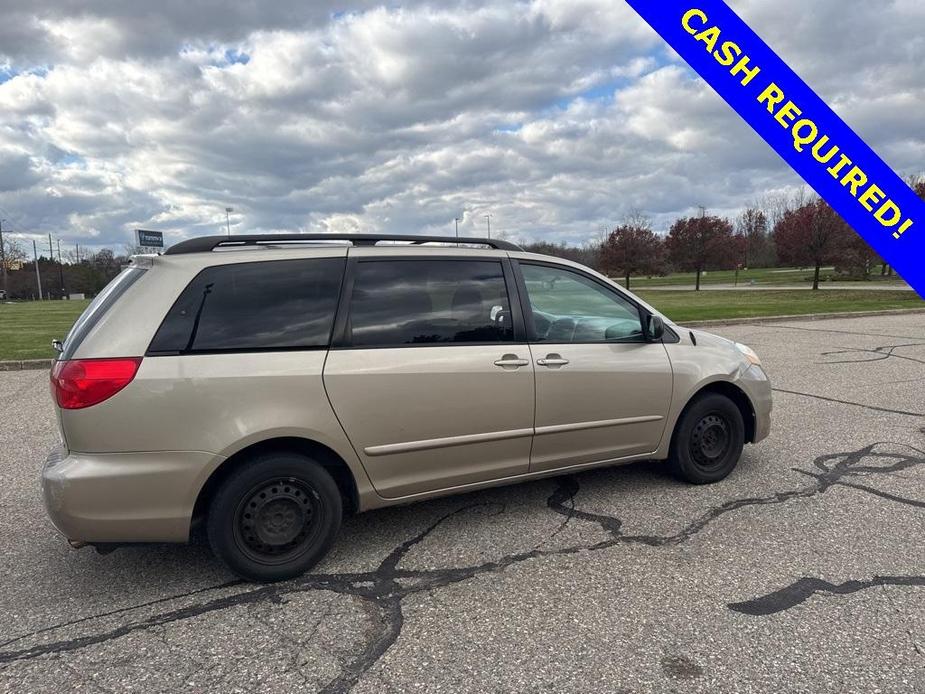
[(557, 117)]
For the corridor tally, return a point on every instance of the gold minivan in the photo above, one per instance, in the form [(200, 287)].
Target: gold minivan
[(270, 384)]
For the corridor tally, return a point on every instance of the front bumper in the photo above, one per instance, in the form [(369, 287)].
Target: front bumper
[(123, 497), (757, 386)]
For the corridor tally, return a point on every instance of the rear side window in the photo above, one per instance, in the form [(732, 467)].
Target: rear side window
[(414, 302), (274, 305), (98, 308)]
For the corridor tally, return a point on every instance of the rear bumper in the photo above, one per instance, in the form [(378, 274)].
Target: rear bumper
[(123, 497)]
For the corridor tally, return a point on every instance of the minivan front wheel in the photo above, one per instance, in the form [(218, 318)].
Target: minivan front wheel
[(274, 517), (708, 440)]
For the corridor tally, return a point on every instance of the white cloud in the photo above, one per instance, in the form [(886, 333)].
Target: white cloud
[(556, 116)]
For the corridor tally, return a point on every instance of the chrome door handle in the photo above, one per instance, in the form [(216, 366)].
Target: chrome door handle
[(552, 361), (511, 361)]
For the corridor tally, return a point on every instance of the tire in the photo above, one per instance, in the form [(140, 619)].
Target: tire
[(708, 440), (275, 517)]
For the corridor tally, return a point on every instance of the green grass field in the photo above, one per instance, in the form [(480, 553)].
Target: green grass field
[(684, 306), (27, 329), (762, 277)]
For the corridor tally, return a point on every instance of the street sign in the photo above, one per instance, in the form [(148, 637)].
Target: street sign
[(149, 239)]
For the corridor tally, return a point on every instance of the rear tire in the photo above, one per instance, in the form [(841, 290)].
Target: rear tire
[(275, 517), (708, 440)]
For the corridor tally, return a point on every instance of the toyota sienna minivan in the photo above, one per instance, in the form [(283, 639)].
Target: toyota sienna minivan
[(269, 385)]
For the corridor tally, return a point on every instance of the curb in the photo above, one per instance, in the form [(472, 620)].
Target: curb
[(26, 365), (803, 317)]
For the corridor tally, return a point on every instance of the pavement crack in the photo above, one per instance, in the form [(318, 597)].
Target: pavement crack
[(840, 332), (382, 590), (564, 493), (884, 495), (881, 353), (121, 610), (848, 402), (832, 469), (386, 631), (566, 490), (803, 589)]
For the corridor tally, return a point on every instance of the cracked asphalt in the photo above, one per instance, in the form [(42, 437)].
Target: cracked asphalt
[(803, 572)]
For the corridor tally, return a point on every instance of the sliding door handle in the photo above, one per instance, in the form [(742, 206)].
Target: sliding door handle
[(511, 361)]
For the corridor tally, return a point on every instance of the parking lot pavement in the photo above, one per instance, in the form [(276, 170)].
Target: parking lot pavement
[(803, 572)]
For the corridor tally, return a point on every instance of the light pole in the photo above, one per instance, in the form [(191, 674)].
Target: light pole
[(3, 261), (456, 219), (228, 211), (488, 222)]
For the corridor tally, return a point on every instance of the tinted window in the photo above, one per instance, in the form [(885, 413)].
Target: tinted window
[(286, 304), (408, 302), (569, 307)]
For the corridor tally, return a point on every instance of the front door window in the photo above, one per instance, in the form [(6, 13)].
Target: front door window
[(568, 307)]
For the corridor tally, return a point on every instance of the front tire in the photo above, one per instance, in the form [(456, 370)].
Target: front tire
[(275, 517), (708, 440)]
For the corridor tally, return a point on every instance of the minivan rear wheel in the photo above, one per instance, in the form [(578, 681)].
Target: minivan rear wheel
[(274, 517), (708, 440)]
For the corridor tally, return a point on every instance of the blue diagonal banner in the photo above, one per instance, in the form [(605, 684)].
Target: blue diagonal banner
[(802, 129)]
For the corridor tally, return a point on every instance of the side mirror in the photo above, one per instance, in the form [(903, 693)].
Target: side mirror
[(655, 328)]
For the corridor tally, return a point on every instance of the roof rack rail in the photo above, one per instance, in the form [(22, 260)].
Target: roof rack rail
[(205, 244)]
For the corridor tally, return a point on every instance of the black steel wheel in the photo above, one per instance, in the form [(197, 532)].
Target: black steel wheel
[(274, 517), (277, 520), (708, 440)]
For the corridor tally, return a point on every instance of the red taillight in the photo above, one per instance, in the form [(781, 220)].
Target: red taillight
[(85, 382)]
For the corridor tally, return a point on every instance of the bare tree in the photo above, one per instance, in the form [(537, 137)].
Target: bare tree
[(758, 246), (13, 253), (776, 205)]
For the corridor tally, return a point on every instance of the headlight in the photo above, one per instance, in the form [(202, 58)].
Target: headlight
[(748, 353)]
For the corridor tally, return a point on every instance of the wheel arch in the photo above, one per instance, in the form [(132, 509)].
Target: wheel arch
[(734, 393), (333, 463)]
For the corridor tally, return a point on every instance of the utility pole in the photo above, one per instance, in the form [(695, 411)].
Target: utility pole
[(488, 222), (456, 219), (61, 270), (6, 292), (51, 253), (77, 251), (38, 276), (228, 211)]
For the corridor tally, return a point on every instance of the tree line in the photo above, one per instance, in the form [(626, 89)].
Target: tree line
[(798, 230), (59, 277)]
